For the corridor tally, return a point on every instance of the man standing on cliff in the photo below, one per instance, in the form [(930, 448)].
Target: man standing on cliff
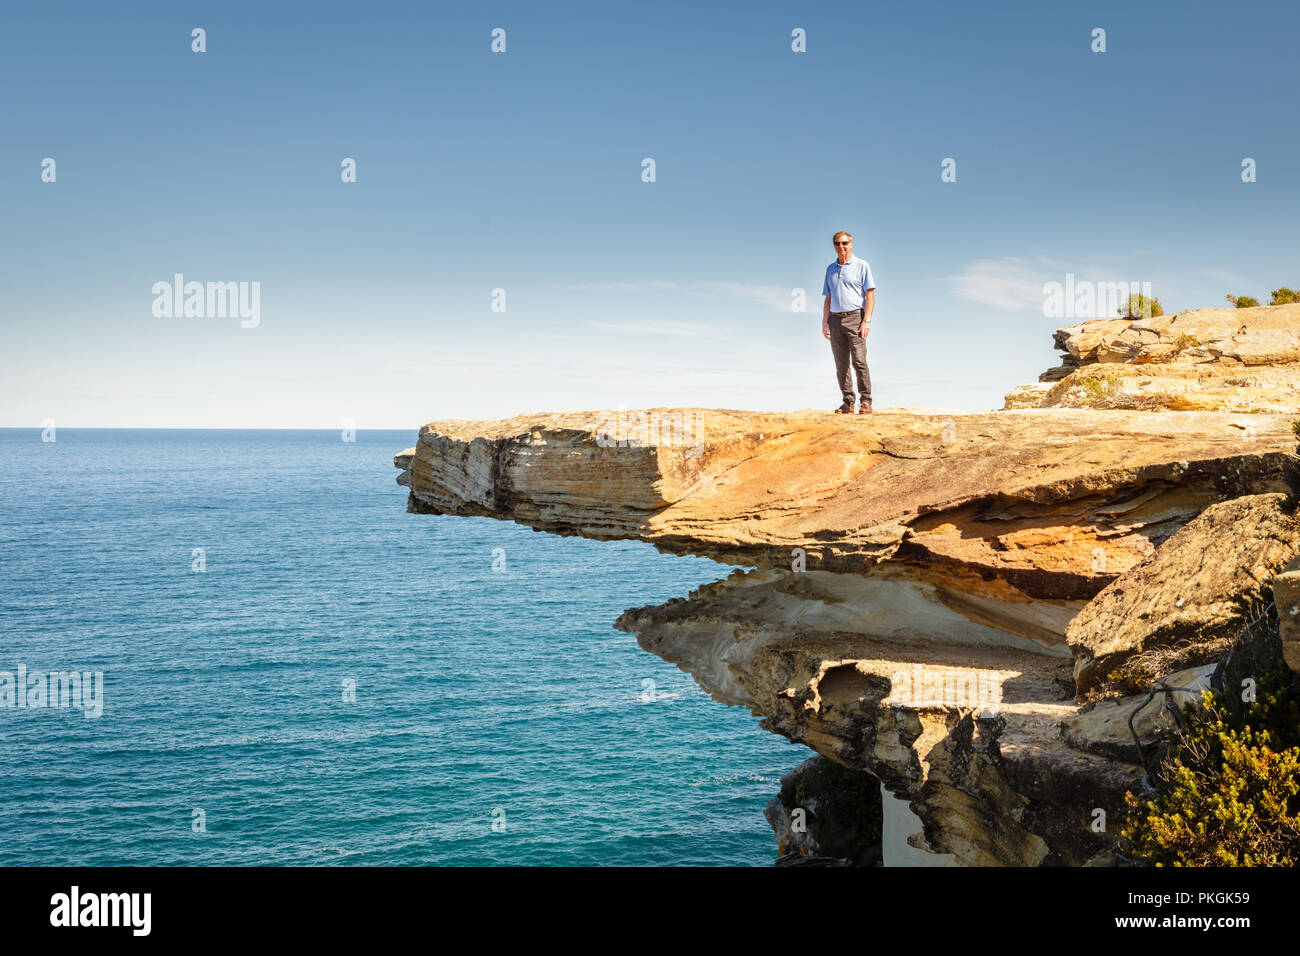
[(846, 319)]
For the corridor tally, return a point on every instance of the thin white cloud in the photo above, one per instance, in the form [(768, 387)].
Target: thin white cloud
[(1013, 283), (773, 296), (687, 329), (777, 298), (1007, 282), (640, 285)]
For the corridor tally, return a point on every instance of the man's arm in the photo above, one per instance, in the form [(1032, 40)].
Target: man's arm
[(867, 306), (826, 318)]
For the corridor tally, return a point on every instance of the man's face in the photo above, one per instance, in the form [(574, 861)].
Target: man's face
[(843, 247)]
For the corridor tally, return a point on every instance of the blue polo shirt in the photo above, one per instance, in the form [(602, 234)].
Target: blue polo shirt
[(847, 284)]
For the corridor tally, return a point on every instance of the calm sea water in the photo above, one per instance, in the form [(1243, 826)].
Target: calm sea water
[(481, 696)]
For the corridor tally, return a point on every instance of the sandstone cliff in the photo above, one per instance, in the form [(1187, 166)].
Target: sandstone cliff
[(922, 597), (1239, 360)]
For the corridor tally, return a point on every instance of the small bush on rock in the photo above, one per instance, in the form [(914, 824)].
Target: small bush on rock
[(1229, 788), (1140, 307)]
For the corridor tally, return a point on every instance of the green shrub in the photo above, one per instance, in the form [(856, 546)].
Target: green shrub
[(1243, 301), (1139, 672), (1186, 341), (1130, 678), (1140, 307), (1229, 788), (1100, 382), (1242, 812), (1284, 295)]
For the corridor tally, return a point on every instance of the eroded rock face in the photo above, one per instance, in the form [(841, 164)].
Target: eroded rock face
[(1104, 729), (1241, 360), (927, 592), (947, 712), (916, 577), (1196, 589), (1286, 593), (827, 815), (1056, 503)]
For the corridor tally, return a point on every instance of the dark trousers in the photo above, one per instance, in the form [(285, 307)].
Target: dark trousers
[(847, 344)]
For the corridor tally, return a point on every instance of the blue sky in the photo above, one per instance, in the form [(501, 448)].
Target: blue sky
[(522, 171)]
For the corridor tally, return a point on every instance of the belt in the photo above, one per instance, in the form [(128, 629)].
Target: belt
[(840, 315)]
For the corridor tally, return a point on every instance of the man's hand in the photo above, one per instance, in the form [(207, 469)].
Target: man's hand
[(826, 330), (866, 327)]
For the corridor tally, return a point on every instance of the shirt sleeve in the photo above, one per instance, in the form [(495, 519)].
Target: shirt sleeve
[(870, 282), (826, 283)]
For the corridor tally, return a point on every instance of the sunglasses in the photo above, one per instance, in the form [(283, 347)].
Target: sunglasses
[(849, 243)]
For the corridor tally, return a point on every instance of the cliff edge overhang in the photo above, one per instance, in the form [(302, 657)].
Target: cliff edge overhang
[(931, 596)]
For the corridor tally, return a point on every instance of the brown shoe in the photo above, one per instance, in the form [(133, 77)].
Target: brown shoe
[(864, 409), (844, 410)]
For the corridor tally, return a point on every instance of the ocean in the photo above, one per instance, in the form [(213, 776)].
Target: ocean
[(295, 671)]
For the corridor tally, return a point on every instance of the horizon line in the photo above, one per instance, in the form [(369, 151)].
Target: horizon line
[(194, 428)]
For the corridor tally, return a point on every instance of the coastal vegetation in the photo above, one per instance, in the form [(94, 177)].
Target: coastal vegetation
[(1229, 789), (1140, 306), (1282, 296)]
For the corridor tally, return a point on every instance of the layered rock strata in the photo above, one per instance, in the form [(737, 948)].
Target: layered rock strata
[(1239, 360), (920, 597), (1200, 588)]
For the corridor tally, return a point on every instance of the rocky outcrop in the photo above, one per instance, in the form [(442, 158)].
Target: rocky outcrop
[(1286, 594), (921, 597), (1198, 589), (1052, 504), (827, 815), (1237, 360), (1104, 729), (863, 676)]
